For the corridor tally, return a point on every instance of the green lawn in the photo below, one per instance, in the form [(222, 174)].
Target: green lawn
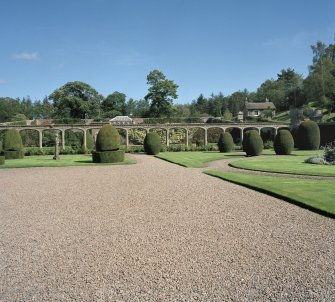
[(317, 195), (47, 161), (291, 164), (195, 159)]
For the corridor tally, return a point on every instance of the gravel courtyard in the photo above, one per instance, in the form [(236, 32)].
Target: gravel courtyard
[(155, 231)]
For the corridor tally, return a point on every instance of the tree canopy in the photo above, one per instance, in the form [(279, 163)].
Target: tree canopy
[(76, 100), (161, 94)]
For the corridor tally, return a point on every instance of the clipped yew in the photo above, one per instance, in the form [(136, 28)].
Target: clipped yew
[(12, 144), (108, 146), (283, 143), (252, 143), (226, 142), (152, 143), (308, 136)]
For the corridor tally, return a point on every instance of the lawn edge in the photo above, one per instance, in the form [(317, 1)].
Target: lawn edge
[(274, 194), (278, 172), (172, 162)]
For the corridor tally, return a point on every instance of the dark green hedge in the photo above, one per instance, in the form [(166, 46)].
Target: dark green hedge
[(12, 140), (283, 143), (308, 136), (226, 142), (108, 139), (252, 143), (108, 156), (13, 154), (2, 160), (152, 143)]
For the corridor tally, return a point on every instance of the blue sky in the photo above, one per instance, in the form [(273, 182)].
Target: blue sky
[(205, 46)]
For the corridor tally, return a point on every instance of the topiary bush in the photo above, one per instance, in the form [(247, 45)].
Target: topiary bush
[(12, 144), (308, 136), (152, 143), (108, 156), (226, 142), (107, 146), (283, 143), (89, 141), (252, 143), (108, 139)]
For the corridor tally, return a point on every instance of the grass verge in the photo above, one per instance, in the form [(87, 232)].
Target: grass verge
[(289, 164), (47, 161), (195, 159), (315, 195)]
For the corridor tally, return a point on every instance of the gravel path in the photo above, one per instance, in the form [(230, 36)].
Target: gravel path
[(155, 231)]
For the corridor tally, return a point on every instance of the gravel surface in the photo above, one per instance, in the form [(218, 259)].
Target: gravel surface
[(155, 231)]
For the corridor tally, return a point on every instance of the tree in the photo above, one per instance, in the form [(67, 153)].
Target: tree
[(161, 94), (43, 110), (114, 104), (8, 109), (320, 83), (76, 100)]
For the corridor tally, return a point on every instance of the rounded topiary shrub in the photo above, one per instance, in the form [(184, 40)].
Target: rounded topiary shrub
[(107, 146), (252, 143), (152, 143), (108, 139), (308, 136), (108, 156), (283, 143), (226, 142), (12, 144)]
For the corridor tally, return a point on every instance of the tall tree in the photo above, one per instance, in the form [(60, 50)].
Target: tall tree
[(8, 108), (76, 100), (161, 94), (320, 83), (114, 104)]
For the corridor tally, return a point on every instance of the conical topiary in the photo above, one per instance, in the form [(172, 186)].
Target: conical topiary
[(107, 146), (226, 142), (252, 143), (283, 143), (12, 144), (152, 143), (308, 136), (89, 141)]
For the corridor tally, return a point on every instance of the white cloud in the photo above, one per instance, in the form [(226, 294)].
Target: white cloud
[(28, 56)]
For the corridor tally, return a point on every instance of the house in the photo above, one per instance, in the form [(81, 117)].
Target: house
[(121, 120), (252, 109)]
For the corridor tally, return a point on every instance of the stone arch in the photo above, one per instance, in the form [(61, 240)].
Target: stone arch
[(236, 133), (94, 131), (123, 135), (268, 133), (30, 137), (136, 135), (162, 132), (48, 136), (213, 134), (178, 135), (198, 135), (74, 137)]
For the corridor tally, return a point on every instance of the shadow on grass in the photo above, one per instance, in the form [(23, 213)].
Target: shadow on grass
[(84, 161)]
